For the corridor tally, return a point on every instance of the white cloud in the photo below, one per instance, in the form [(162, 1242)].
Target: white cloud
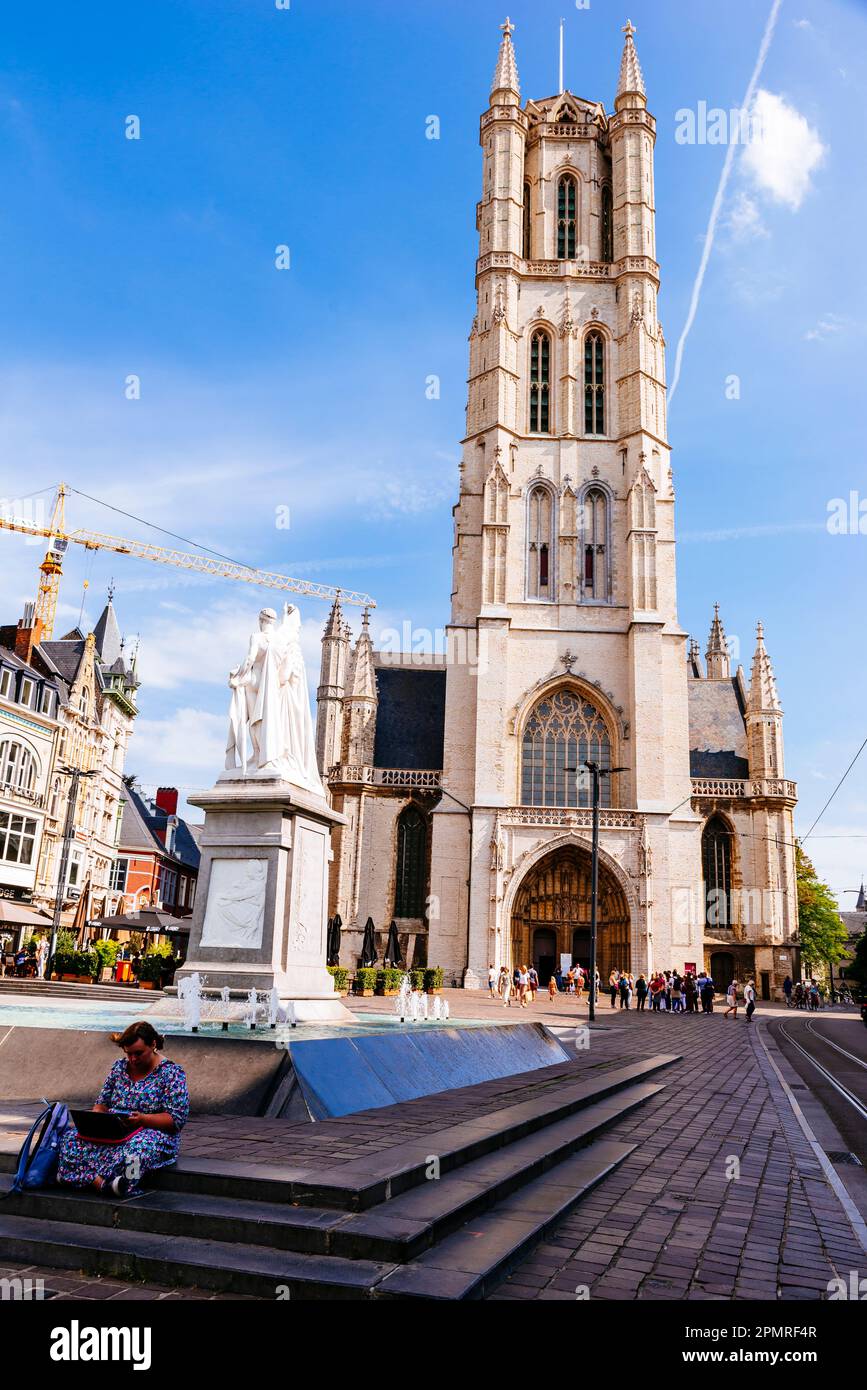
[(827, 327), (802, 24), (785, 152), (188, 740), (744, 221)]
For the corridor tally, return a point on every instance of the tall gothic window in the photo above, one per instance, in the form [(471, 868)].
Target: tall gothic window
[(540, 383), (564, 732), (540, 543), (607, 224), (595, 535), (716, 854), (567, 202), (411, 877), (527, 222), (594, 384)]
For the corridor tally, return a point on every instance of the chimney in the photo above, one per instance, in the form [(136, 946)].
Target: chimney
[(167, 800), (28, 634)]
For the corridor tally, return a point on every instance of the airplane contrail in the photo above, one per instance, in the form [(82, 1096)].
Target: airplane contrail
[(720, 195)]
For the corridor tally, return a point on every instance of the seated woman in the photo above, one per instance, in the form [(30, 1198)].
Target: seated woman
[(152, 1093)]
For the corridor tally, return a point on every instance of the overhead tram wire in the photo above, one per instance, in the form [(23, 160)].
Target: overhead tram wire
[(836, 789)]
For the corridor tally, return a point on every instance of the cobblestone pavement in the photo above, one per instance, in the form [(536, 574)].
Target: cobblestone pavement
[(672, 1223), (65, 1286)]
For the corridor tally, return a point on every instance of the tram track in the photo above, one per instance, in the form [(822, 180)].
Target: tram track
[(851, 1099)]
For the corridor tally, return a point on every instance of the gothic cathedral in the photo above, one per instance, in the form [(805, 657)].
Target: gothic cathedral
[(464, 779)]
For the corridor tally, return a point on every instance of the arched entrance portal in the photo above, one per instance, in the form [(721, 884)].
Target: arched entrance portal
[(552, 916)]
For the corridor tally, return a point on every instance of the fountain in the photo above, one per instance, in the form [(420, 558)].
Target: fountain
[(190, 995)]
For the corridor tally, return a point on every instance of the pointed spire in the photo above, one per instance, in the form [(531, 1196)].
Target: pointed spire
[(861, 905), (335, 625), (717, 654), (362, 684), (506, 74), (107, 634), (763, 684), (631, 81)]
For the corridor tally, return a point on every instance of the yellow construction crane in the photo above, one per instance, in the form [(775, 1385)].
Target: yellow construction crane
[(59, 539)]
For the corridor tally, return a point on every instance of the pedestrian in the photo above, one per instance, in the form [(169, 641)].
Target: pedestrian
[(41, 957), (707, 993), (787, 990), (579, 983), (533, 983), (689, 992), (814, 996), (492, 981), (505, 987), (623, 988), (641, 992), (750, 999), (613, 980), (523, 985), (552, 988), (676, 994), (732, 999)]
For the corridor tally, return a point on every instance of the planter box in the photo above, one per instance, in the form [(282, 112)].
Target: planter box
[(387, 993), (147, 984), (78, 979), (363, 993), (433, 991), (106, 975)]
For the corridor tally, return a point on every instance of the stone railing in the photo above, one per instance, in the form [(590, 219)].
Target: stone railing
[(738, 789), (569, 819), (360, 775)]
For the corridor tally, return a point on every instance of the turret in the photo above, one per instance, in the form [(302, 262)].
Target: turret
[(764, 716), (717, 654), (332, 687), (360, 703)]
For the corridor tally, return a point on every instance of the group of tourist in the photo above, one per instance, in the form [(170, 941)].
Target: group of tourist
[(806, 994), (666, 990)]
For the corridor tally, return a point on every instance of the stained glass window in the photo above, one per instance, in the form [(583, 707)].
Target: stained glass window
[(409, 898), (594, 384), (564, 732), (567, 200), (540, 383)]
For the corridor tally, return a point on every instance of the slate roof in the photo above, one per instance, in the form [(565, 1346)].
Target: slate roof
[(717, 732), (410, 721), (139, 826)]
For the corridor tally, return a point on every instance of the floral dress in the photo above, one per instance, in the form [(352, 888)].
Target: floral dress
[(163, 1090)]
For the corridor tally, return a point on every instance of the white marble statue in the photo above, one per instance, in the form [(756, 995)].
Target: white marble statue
[(270, 709)]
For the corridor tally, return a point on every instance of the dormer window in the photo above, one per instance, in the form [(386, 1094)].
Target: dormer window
[(27, 688), (5, 683)]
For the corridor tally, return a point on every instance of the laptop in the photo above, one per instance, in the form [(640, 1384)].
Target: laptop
[(102, 1128)]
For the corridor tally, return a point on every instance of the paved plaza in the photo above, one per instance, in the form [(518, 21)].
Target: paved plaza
[(724, 1196)]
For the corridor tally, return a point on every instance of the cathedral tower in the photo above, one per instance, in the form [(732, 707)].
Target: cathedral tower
[(564, 643)]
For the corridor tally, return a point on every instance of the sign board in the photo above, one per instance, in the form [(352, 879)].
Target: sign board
[(690, 968), (565, 963)]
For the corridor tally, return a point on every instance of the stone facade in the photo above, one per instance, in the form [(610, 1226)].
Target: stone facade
[(564, 644)]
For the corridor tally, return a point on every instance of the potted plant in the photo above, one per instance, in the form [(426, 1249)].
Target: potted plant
[(388, 980), (433, 980), (416, 978), (78, 967), (365, 980), (340, 976), (106, 955)]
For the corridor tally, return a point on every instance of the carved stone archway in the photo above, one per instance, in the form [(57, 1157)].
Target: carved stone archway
[(554, 896)]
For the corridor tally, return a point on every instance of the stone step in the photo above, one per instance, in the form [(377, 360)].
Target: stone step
[(464, 1265), (372, 1179), (397, 1230), (468, 1264), (192, 1262), (22, 990)]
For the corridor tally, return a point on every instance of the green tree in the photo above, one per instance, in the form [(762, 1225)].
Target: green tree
[(823, 935)]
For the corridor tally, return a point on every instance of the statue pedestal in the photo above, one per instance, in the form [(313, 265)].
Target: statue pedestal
[(262, 897)]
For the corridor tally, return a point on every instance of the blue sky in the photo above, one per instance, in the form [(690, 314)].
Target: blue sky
[(306, 388)]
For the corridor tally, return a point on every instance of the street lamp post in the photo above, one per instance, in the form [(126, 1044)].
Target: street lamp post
[(596, 775), (75, 776)]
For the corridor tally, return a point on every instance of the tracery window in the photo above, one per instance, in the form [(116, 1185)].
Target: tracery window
[(527, 222), (540, 383), (716, 855), (594, 384), (595, 577), (411, 877), (567, 203), (564, 732), (540, 543)]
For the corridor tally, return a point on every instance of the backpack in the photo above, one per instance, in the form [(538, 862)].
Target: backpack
[(39, 1156)]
